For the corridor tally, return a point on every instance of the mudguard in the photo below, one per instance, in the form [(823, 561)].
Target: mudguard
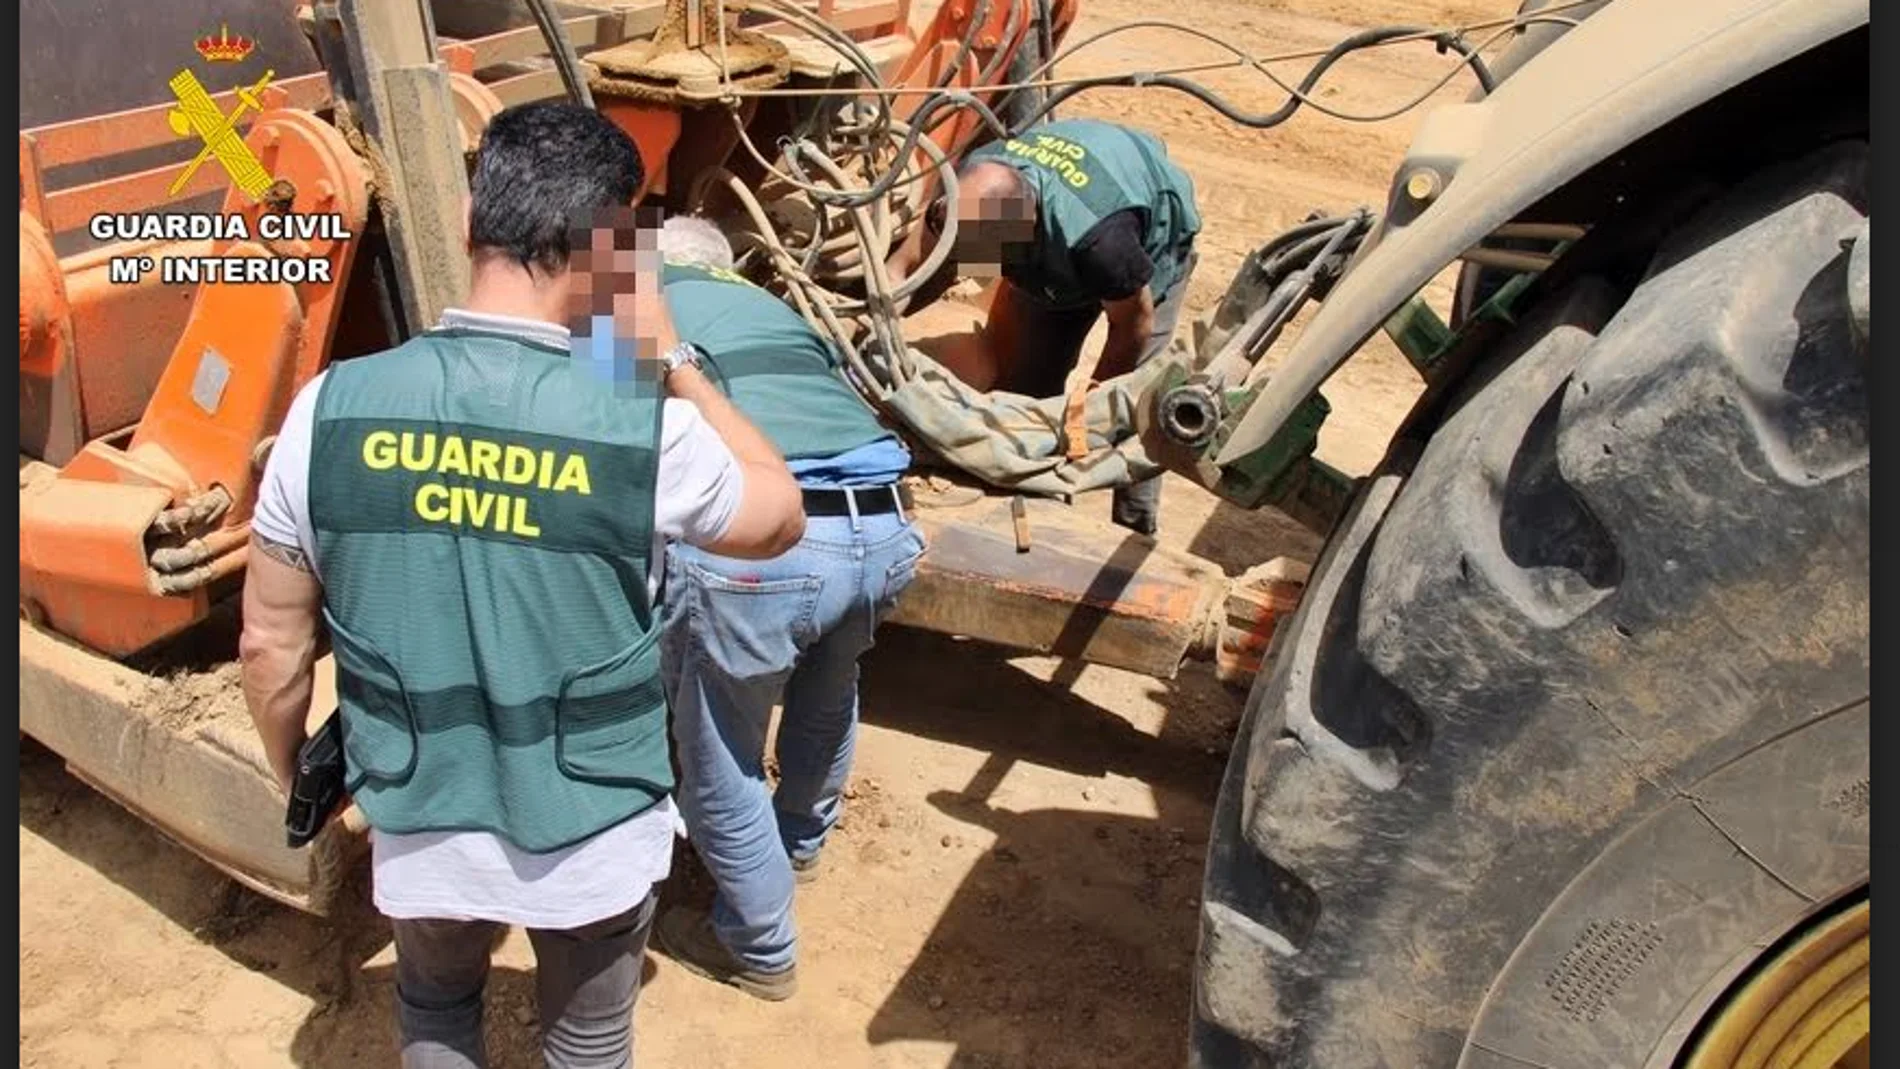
[(1630, 68)]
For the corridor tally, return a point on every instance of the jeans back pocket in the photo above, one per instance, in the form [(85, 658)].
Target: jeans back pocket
[(751, 629), (898, 575)]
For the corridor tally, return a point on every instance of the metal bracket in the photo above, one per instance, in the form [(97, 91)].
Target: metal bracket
[(1282, 473), (1424, 338), (1267, 475), (1420, 335)]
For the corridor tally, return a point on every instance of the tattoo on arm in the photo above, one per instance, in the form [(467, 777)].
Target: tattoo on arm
[(281, 552)]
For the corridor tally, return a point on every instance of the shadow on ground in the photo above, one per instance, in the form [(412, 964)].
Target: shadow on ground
[(1073, 938), (1069, 942), (1072, 942), (327, 960)]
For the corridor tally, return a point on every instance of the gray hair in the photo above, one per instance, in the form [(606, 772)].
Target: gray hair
[(688, 239)]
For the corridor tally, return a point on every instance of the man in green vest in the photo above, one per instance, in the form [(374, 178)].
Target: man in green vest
[(474, 516), (743, 636), (1083, 219)]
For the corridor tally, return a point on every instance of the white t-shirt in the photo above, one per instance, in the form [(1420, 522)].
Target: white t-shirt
[(468, 875)]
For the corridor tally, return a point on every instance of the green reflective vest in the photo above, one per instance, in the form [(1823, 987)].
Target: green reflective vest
[(483, 513), (769, 361), (1084, 171)]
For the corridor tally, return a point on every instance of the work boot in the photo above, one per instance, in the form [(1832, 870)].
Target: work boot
[(805, 869), (1137, 507), (1141, 525), (688, 938)]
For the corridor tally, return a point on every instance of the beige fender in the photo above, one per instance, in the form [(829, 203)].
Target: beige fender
[(1625, 71)]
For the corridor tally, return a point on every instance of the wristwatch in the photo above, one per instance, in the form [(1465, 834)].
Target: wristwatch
[(685, 354)]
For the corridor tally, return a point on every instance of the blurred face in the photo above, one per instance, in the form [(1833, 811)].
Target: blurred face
[(993, 229), (609, 256)]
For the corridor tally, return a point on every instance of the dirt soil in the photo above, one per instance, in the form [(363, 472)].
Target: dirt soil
[(1016, 880)]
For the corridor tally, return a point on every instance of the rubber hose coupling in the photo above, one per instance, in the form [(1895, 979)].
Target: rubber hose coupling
[(1190, 414)]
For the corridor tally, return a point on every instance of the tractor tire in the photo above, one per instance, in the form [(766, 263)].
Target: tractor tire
[(1572, 722)]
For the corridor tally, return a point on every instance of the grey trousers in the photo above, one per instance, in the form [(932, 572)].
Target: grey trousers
[(586, 981), (1058, 334)]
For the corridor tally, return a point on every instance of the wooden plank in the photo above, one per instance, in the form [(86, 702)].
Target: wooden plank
[(1084, 589)]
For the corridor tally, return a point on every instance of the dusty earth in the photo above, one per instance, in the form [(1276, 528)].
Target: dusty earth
[(1016, 881)]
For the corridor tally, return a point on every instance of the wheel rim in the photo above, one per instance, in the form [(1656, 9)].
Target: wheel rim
[(1804, 1006)]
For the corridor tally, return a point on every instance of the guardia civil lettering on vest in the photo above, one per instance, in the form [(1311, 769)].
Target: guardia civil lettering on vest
[(435, 492), (1083, 171), (505, 463)]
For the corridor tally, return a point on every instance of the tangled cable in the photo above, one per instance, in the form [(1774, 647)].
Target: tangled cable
[(860, 143), (851, 185)]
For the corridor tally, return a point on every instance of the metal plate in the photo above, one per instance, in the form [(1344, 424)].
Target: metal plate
[(209, 381)]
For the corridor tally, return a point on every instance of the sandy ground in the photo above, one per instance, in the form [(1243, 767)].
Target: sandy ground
[(1016, 880)]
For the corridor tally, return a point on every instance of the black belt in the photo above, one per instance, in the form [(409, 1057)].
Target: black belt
[(871, 501)]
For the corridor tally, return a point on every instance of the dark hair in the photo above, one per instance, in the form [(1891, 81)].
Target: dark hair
[(541, 170)]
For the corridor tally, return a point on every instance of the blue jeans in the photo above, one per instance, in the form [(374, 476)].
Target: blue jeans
[(738, 637)]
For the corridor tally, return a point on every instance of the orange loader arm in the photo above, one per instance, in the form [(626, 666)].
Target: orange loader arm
[(1003, 28), (123, 545)]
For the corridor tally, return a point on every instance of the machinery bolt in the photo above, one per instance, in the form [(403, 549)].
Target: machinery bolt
[(325, 191), (281, 195), (1189, 414), (1423, 185)]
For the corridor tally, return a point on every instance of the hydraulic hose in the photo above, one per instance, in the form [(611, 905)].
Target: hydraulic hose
[(565, 59), (858, 160), (1445, 39)]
